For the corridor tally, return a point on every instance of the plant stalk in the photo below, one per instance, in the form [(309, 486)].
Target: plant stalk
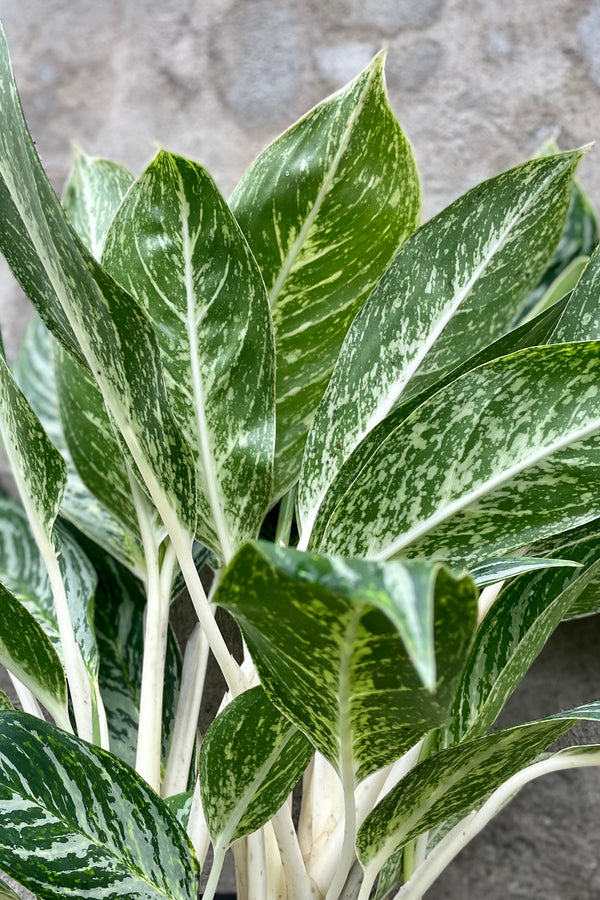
[(26, 699)]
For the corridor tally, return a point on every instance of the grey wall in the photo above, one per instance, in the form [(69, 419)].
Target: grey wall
[(477, 85)]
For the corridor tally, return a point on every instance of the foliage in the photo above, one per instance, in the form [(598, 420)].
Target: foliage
[(351, 425)]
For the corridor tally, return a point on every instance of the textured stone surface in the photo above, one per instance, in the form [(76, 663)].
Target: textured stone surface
[(477, 85)]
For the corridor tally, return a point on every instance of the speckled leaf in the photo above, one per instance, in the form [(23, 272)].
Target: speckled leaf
[(77, 821), (5, 703), (23, 572), (28, 654), (181, 806), (119, 622), (580, 320), (324, 208), (579, 236), (503, 456), (583, 545), (531, 334), (493, 570), (512, 633), (451, 290), (335, 643), (266, 755), (34, 373), (562, 285), (92, 195), (453, 780), (176, 246), (105, 325), (91, 441)]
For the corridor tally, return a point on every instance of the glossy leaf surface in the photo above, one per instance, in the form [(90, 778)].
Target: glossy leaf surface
[(324, 209), (494, 570), (77, 820), (176, 247), (343, 646), (454, 780), (503, 456), (266, 755), (451, 290)]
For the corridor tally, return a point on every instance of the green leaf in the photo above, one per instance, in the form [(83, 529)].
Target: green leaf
[(493, 570), (562, 285), (266, 755), (511, 635), (26, 651), (92, 195), (176, 247), (583, 545), (181, 806), (324, 209), (580, 320), (106, 327), (119, 622), (340, 645), (503, 456), (5, 703), (35, 374), (454, 780), (78, 821), (451, 290)]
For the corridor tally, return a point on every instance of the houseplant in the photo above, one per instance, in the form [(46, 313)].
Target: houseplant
[(355, 424)]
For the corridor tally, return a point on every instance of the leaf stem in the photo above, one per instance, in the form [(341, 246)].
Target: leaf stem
[(197, 828), (215, 872), (188, 710), (298, 883), (26, 699), (257, 866)]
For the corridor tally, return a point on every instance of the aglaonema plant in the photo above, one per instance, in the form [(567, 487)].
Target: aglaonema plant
[(378, 444)]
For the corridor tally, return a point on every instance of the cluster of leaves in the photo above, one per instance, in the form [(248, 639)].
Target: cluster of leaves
[(416, 407)]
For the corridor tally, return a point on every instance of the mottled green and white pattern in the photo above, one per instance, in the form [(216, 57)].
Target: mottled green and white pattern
[(493, 570), (324, 208), (35, 374), (77, 821), (505, 455), (453, 288), (330, 652), (107, 328), (176, 247), (454, 780), (580, 320), (92, 195), (250, 759)]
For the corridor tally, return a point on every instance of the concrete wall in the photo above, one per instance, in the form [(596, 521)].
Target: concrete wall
[(477, 85)]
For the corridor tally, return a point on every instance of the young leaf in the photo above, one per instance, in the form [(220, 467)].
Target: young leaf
[(77, 820), (26, 651), (105, 328), (35, 374), (266, 755), (454, 780), (452, 289), (176, 247), (512, 633), (503, 456), (92, 195), (358, 655), (324, 209)]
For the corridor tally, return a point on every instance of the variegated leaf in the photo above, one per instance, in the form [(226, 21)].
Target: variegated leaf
[(324, 209), (26, 651), (340, 645), (5, 703), (580, 320), (92, 195), (512, 633), (562, 285), (503, 456), (34, 373), (531, 334), (181, 806), (452, 289), (23, 572), (176, 247), (266, 755), (493, 570), (104, 325), (119, 622), (455, 779), (583, 545), (78, 821)]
